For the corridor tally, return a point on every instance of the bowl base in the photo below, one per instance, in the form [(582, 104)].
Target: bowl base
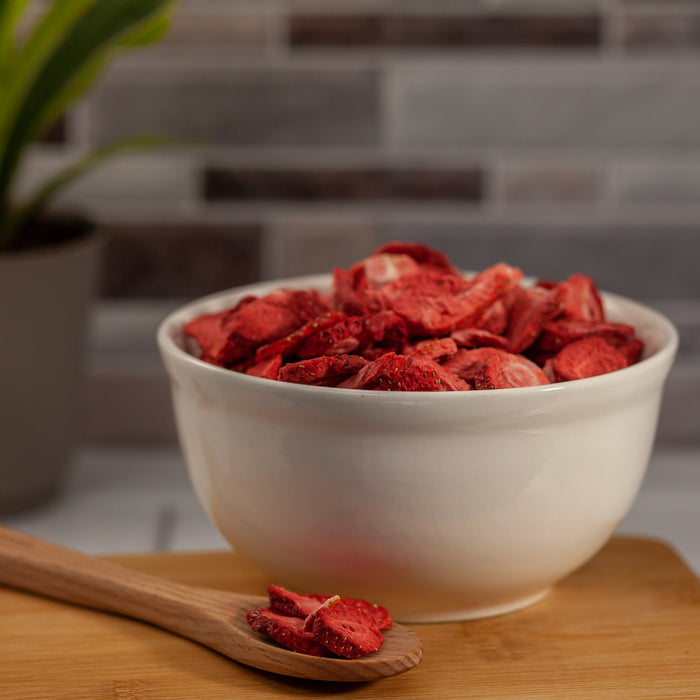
[(472, 613)]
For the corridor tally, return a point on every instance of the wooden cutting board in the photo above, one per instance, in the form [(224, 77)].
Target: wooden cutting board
[(626, 625)]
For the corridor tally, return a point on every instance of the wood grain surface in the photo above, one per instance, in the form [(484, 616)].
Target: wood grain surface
[(626, 625)]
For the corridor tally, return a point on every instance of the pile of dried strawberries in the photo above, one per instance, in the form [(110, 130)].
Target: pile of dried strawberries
[(405, 319), (321, 625)]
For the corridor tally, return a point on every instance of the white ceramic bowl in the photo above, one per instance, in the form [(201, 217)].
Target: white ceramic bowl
[(440, 506)]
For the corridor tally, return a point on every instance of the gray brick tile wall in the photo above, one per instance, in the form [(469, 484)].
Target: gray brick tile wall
[(533, 103), (561, 137), (256, 106)]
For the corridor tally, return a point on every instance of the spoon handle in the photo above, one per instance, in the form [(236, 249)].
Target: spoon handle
[(213, 618), (41, 567)]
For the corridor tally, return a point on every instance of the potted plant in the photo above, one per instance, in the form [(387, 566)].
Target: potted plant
[(48, 260)]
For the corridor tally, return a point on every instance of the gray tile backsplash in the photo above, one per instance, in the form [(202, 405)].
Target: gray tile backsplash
[(560, 137), (232, 105), (535, 103)]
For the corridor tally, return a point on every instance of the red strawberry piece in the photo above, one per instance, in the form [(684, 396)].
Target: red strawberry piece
[(632, 350), (322, 371), (587, 357), (435, 303), (213, 334), (462, 364), (285, 630), (344, 295), (435, 348), (558, 333), (374, 353), (478, 338), (494, 318), (381, 369), (493, 368), (267, 369), (429, 302), (580, 299), (383, 268), (422, 373), (422, 254), (292, 603), (379, 614), (509, 371), (531, 311), (236, 334), (352, 293), (345, 630), (288, 345), (346, 336), (303, 604), (392, 372), (386, 329), (486, 288), (548, 369), (354, 334), (276, 315)]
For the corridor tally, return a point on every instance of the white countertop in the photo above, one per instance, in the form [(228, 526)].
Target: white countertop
[(134, 500)]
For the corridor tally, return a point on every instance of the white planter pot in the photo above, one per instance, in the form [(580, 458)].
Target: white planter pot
[(45, 295)]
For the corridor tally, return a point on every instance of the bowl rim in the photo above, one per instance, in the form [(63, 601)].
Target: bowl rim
[(661, 359)]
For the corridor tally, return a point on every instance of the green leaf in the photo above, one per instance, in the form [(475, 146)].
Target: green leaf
[(31, 209), (10, 13), (69, 69), (47, 33), (149, 32)]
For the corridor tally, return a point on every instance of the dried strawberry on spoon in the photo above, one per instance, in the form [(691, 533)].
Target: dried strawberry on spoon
[(321, 625)]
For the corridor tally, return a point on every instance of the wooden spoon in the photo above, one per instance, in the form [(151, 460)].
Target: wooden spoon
[(213, 618)]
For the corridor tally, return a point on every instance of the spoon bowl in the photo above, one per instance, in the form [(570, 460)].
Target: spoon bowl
[(216, 619)]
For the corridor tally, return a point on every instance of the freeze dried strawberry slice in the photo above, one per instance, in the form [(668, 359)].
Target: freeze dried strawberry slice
[(587, 357), (486, 288), (341, 338), (386, 329), (285, 630), (436, 303), (321, 371), (351, 292), (267, 369), (424, 374), (231, 335), (422, 254), (556, 334), (345, 630), (213, 334), (392, 372), (494, 318), (288, 345), (435, 348), (380, 615), (494, 368), (509, 371), (580, 299), (429, 302), (531, 311), (344, 294), (478, 338), (303, 604), (382, 268), (292, 603), (277, 314), (631, 351), (379, 370)]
